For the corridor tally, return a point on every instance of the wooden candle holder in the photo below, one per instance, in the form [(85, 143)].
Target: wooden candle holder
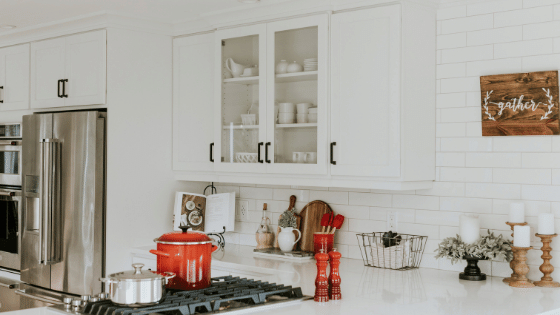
[(546, 268), (521, 269), (512, 262)]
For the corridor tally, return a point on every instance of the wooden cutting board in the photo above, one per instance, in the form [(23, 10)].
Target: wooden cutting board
[(298, 223), (311, 216)]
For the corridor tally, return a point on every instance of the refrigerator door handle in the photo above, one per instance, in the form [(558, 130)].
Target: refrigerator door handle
[(49, 254)]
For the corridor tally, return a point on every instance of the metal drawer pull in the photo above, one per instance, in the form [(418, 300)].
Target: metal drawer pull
[(333, 162), (38, 298)]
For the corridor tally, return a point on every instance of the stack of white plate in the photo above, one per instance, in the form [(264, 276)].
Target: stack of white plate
[(310, 64)]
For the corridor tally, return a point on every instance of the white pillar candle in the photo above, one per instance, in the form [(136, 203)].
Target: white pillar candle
[(517, 212), (522, 236), (469, 229), (546, 223)]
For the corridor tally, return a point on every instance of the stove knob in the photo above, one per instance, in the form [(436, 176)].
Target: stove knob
[(94, 299), (67, 302), (86, 297), (103, 296), (76, 304)]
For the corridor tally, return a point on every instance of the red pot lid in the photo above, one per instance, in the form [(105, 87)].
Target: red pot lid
[(185, 237)]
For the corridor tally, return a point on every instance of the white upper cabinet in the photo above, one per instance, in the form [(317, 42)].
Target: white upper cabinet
[(193, 103), (298, 146), (69, 71), (14, 77), (345, 99), (365, 92)]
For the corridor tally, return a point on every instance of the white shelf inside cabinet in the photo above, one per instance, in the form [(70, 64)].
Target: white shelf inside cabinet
[(306, 125), (297, 76), (243, 80), (236, 127)]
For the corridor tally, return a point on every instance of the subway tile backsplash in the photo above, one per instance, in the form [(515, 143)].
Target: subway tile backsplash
[(475, 174)]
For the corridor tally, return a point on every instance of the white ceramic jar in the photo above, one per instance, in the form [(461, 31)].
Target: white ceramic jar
[(282, 67), (287, 239)]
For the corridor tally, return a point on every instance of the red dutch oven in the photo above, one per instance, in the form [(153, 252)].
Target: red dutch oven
[(188, 255)]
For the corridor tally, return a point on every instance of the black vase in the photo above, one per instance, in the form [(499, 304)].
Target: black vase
[(472, 271)]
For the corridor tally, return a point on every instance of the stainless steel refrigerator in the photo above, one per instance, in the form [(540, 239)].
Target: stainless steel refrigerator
[(64, 201)]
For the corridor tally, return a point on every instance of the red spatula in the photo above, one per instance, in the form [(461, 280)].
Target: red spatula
[(337, 222), (326, 220)]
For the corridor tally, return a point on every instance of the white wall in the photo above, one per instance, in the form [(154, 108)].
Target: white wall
[(140, 184), (475, 174)]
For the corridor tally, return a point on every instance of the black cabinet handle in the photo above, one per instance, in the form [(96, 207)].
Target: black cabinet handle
[(212, 152), (58, 88), (259, 152), (333, 162), (64, 88), (2, 88), (266, 152)]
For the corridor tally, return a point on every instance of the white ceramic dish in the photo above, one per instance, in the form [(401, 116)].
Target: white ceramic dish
[(249, 119), (302, 118), (286, 118), (245, 157), (287, 107), (312, 118), (313, 110)]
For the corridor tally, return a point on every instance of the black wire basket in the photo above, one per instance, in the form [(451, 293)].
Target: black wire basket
[(401, 252)]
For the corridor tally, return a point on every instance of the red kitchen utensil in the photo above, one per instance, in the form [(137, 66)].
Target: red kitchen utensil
[(337, 222), (326, 220)]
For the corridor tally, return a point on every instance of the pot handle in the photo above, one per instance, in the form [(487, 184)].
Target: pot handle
[(159, 253), (168, 276), (107, 280), (214, 248)]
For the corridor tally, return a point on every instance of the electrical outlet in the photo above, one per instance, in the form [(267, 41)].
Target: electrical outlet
[(243, 210), (392, 221)]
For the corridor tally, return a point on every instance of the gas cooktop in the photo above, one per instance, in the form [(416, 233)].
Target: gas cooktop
[(226, 294)]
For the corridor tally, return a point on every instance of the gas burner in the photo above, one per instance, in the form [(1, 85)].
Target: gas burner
[(225, 294)]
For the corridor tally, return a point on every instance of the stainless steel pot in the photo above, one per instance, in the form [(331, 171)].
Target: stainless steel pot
[(136, 288)]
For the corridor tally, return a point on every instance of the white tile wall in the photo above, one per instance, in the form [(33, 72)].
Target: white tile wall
[(476, 174)]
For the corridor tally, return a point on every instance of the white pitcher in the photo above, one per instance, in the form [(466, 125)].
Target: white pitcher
[(236, 69), (287, 239)]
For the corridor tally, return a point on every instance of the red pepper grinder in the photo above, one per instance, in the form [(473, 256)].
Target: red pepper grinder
[(334, 276), (322, 282)]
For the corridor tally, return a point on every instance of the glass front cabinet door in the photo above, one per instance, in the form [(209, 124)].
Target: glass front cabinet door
[(240, 112), (272, 104), (296, 95)]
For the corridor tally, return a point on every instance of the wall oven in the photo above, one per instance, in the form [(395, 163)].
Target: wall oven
[(10, 155), (10, 195)]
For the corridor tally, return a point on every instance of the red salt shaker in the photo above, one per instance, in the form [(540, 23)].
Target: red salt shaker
[(334, 276), (322, 282)]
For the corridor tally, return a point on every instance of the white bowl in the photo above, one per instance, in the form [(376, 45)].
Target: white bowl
[(286, 118), (313, 110), (302, 118), (287, 107)]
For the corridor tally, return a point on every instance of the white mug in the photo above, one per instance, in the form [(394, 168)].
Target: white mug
[(299, 157), (311, 157), (303, 108)]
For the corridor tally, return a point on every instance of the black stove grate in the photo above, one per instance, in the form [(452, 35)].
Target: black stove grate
[(225, 293)]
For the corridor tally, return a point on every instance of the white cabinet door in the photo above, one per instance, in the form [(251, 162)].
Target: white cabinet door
[(240, 142), (193, 102), (85, 69), (47, 69), (14, 77), (365, 92), (300, 146)]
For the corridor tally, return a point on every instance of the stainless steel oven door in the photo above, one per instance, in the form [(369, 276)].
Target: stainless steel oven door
[(10, 162), (10, 228)]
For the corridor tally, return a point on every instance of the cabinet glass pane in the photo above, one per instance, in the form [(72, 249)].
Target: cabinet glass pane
[(240, 99), (296, 72)]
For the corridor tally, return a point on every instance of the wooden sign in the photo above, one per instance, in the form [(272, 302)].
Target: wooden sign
[(520, 104)]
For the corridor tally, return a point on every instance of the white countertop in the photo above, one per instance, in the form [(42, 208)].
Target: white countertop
[(367, 290)]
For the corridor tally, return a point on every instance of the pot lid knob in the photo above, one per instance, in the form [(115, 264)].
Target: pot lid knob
[(185, 228), (137, 268)]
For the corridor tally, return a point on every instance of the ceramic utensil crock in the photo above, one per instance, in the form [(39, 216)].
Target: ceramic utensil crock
[(137, 288), (188, 255)]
